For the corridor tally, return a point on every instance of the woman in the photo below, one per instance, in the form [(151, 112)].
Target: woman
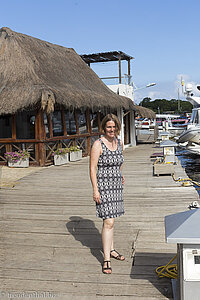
[(106, 176)]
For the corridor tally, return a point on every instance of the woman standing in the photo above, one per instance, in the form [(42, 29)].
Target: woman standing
[(106, 176)]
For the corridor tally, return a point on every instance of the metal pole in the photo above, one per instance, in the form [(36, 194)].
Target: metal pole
[(120, 75), (179, 108), (129, 72)]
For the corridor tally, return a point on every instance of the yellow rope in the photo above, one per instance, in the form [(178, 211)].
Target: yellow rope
[(185, 179), (169, 270), (158, 160), (164, 159)]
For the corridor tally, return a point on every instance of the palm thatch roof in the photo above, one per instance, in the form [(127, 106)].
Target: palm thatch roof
[(145, 112), (35, 73)]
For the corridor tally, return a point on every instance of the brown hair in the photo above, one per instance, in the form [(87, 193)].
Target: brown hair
[(111, 117)]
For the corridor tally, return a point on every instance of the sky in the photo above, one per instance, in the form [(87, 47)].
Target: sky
[(161, 35)]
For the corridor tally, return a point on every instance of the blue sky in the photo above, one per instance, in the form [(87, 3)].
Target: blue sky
[(162, 36)]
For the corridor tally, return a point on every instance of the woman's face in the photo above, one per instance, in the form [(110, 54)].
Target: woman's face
[(110, 129)]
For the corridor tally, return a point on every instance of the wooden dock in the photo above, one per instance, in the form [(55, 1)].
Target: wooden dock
[(51, 241)]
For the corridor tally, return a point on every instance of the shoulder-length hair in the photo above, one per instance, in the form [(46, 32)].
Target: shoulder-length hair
[(111, 117)]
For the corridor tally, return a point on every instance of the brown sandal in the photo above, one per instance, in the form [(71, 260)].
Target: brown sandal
[(107, 267), (118, 257)]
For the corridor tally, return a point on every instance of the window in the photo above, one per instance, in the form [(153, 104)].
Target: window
[(25, 125), (5, 127), (70, 123), (57, 123), (82, 122), (46, 126), (94, 122)]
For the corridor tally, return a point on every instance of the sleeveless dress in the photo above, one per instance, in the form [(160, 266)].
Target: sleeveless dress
[(109, 182)]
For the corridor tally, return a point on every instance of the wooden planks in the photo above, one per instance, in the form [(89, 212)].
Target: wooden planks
[(50, 239)]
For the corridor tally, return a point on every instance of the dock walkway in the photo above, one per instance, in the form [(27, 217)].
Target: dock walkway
[(51, 241)]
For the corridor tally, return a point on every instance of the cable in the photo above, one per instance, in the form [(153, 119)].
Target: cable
[(185, 180), (169, 271)]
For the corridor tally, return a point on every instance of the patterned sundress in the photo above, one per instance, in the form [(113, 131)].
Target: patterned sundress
[(109, 182)]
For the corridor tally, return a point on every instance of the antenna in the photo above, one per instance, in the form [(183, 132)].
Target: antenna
[(182, 84)]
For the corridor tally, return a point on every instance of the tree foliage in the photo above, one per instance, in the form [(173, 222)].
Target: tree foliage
[(164, 105)]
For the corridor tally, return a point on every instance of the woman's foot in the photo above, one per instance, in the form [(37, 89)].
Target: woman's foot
[(106, 269), (116, 255)]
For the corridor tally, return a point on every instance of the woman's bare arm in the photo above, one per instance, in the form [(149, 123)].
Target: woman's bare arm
[(94, 157), (123, 179)]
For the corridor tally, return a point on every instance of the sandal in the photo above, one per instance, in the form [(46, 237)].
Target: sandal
[(107, 267), (118, 257)]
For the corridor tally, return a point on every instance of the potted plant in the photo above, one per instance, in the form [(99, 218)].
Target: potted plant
[(75, 153), (61, 156), (18, 159)]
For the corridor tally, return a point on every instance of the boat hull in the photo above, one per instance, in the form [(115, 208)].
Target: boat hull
[(177, 131), (190, 135)]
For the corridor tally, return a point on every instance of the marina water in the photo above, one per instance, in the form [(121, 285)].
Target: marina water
[(191, 164)]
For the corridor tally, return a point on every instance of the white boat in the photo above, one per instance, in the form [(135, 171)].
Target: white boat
[(168, 122), (192, 133), (144, 123), (191, 148), (177, 126)]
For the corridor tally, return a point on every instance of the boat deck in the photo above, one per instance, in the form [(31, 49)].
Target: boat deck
[(51, 241)]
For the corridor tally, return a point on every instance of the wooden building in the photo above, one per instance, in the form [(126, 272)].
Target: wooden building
[(49, 98)]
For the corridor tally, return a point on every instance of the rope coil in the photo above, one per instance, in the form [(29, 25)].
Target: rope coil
[(169, 270)]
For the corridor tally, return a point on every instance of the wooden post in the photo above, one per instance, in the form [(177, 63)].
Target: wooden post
[(42, 153), (125, 130), (88, 123), (89, 129), (120, 74), (88, 145), (14, 127), (129, 68), (36, 136), (8, 148)]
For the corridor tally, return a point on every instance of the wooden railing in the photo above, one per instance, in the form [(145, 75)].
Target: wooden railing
[(9, 146), (83, 141), (47, 146)]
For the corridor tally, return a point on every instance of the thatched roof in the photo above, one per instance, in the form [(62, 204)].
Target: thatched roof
[(37, 73), (145, 112)]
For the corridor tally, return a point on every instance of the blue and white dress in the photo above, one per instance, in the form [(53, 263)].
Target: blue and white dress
[(109, 182)]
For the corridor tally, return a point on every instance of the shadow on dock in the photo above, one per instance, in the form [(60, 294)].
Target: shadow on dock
[(84, 231), (144, 267)]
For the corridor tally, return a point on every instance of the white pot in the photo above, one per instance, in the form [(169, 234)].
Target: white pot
[(61, 159), (22, 163), (75, 155)]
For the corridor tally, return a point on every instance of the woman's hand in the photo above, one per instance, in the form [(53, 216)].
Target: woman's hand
[(123, 179), (96, 197)]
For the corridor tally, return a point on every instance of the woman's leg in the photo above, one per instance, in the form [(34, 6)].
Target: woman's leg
[(116, 254), (107, 238)]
